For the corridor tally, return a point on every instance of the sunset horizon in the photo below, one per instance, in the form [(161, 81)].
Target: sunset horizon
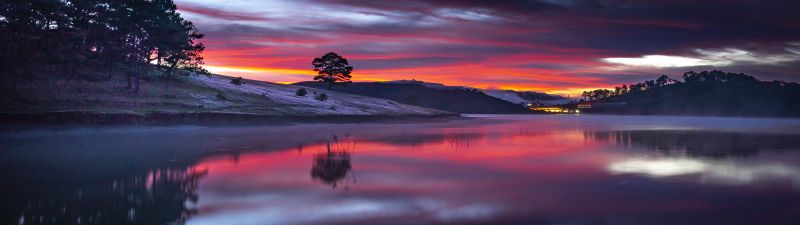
[(556, 47), (413, 112)]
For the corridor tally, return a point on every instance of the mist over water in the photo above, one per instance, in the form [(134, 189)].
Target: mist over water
[(488, 169)]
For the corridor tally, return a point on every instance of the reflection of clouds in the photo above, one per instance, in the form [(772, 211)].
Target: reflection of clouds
[(736, 174), (445, 212), (670, 167), (289, 209), (284, 211), (725, 172)]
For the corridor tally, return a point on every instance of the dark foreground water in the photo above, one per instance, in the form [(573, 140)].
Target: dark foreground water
[(491, 170)]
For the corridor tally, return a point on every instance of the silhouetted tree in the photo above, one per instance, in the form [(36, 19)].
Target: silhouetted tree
[(80, 37), (716, 76), (662, 80), (650, 84), (332, 69), (597, 94), (586, 95)]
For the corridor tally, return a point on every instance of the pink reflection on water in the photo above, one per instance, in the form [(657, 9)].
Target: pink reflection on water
[(493, 173)]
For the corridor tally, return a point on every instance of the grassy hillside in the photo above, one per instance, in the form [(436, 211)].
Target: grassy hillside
[(452, 99), (190, 94)]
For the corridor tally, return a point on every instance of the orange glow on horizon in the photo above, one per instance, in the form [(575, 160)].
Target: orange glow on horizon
[(504, 72), (426, 74)]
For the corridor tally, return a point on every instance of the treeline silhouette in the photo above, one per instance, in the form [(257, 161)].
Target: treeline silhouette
[(90, 39), (701, 93), (597, 94)]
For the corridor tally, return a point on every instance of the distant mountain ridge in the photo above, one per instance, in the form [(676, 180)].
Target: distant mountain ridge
[(525, 97), (431, 95), (429, 85)]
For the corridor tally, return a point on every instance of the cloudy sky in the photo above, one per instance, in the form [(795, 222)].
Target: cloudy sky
[(559, 47)]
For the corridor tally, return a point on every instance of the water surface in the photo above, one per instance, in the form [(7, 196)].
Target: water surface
[(490, 169)]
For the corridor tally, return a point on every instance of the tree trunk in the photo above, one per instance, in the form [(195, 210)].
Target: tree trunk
[(170, 70), (329, 86)]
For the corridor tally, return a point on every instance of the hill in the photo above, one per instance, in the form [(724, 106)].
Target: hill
[(430, 95), (525, 97), (712, 93), (197, 94)]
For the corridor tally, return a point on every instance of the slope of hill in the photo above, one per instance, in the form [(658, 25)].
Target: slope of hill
[(525, 97), (712, 93), (451, 99), (193, 95)]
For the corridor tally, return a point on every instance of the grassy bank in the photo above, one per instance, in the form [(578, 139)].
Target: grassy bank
[(205, 118), (187, 99)]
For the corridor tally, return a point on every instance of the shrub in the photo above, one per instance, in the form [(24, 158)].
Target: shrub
[(322, 97), (221, 95), (237, 81), (301, 92)]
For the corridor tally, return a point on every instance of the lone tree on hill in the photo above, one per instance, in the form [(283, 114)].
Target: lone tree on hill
[(332, 69)]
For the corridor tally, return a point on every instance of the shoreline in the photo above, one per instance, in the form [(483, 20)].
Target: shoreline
[(80, 118)]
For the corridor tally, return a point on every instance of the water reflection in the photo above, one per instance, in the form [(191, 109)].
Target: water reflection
[(698, 143), (160, 196), (524, 170), (725, 172), (332, 167), (733, 158)]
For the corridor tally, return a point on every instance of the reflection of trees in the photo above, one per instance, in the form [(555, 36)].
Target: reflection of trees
[(714, 144), (333, 166), (160, 196), (458, 141)]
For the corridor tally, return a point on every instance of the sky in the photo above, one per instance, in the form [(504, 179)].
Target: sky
[(557, 47)]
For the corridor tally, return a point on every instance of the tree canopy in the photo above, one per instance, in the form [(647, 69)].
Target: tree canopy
[(332, 69), (78, 37), (713, 92), (599, 94)]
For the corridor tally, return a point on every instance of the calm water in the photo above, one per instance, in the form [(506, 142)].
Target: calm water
[(487, 170)]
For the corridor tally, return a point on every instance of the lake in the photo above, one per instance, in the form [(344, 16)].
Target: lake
[(487, 169)]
